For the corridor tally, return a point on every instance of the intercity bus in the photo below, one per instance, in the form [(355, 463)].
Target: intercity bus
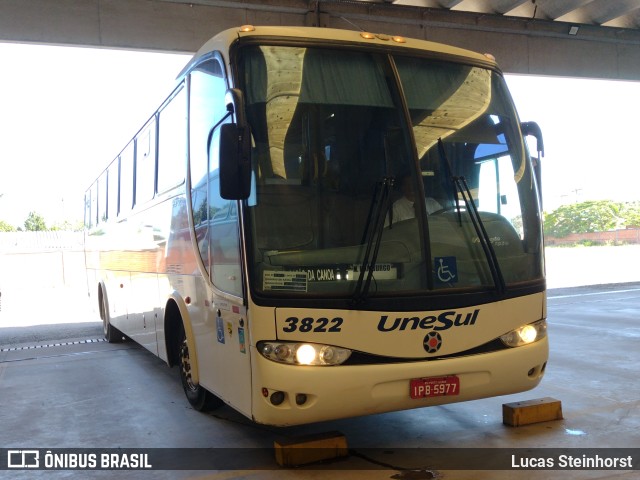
[(320, 223)]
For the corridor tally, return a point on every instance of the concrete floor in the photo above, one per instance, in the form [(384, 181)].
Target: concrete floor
[(100, 395)]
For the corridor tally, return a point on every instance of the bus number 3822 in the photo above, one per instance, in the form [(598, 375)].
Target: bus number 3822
[(308, 324)]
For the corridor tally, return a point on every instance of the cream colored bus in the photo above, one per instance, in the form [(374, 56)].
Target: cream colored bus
[(319, 223)]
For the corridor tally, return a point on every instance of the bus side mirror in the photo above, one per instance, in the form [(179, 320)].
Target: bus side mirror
[(234, 151), (532, 129)]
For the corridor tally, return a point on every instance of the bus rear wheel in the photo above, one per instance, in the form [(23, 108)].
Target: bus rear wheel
[(111, 333), (199, 398)]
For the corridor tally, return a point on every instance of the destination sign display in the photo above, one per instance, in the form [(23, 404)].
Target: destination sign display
[(296, 279)]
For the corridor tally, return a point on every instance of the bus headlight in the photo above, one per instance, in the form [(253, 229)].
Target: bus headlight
[(303, 353), (526, 334)]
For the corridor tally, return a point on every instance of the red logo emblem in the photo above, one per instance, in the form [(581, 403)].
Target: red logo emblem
[(432, 342)]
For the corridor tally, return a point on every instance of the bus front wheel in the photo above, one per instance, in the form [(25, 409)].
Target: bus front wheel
[(199, 398)]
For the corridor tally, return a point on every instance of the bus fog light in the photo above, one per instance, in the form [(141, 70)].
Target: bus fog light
[(277, 398), (526, 334), (301, 398), (304, 353)]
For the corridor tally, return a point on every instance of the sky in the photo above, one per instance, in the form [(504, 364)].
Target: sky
[(589, 129), (65, 112)]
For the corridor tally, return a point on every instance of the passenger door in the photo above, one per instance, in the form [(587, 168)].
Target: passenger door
[(224, 362)]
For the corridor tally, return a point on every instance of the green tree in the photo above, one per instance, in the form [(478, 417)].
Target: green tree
[(5, 227), (34, 223), (68, 226), (584, 217), (631, 214), (64, 226)]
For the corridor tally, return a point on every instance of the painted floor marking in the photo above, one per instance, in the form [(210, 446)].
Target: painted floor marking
[(594, 293), (61, 344)]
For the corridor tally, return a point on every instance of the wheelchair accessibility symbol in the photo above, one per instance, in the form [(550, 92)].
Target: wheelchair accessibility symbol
[(220, 329), (446, 269)]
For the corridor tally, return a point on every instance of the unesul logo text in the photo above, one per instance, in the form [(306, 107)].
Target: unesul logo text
[(444, 321)]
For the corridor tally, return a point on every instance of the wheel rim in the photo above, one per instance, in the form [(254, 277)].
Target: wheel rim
[(105, 322), (185, 366)]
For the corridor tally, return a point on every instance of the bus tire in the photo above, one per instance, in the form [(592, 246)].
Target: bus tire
[(111, 333), (199, 398)]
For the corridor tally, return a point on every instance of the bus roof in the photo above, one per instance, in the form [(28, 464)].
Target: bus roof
[(223, 40)]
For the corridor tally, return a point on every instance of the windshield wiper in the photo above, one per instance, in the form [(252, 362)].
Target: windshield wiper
[(461, 187), (445, 161), (380, 205)]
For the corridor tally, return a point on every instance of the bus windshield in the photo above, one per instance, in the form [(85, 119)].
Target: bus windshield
[(383, 174)]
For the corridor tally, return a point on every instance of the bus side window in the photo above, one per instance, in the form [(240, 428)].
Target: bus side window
[(488, 200), (90, 212), (224, 242), (215, 219), (146, 163), (126, 179), (113, 179), (87, 209), (172, 142), (102, 198)]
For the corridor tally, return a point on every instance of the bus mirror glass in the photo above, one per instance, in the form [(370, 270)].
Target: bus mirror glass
[(235, 171)]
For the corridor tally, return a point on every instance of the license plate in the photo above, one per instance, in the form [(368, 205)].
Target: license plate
[(434, 386)]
